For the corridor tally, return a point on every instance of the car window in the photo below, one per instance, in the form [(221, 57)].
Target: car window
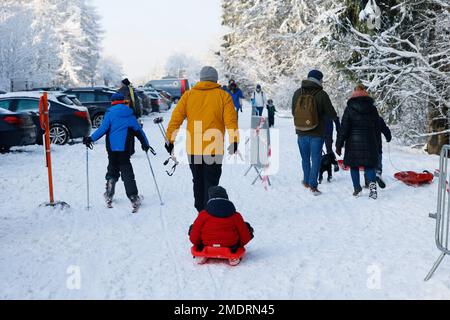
[(65, 100), (5, 104), (76, 101), (87, 97), (27, 105), (103, 97)]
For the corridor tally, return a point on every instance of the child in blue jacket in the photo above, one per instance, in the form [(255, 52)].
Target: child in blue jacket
[(120, 127)]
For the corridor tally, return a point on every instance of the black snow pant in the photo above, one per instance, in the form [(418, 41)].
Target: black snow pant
[(271, 120), (120, 165), (206, 173)]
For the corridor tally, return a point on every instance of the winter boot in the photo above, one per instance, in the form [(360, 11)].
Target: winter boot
[(316, 192), (357, 192), (234, 262), (373, 191), (110, 190), (380, 182), (136, 203), (306, 185)]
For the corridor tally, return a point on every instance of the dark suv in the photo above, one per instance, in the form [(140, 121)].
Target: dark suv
[(67, 121), (96, 99)]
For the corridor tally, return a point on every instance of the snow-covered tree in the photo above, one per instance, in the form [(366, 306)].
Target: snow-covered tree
[(110, 72), (276, 43), (404, 61), (49, 42), (398, 48), (180, 65)]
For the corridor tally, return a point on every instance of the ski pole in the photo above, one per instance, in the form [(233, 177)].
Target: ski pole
[(154, 179), (159, 122), (87, 176)]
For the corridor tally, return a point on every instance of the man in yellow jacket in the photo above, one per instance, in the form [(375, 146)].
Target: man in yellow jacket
[(209, 110)]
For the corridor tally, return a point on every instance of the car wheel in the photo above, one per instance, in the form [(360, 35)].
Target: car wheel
[(59, 134), (97, 121)]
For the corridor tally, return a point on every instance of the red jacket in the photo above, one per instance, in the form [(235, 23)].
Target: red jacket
[(220, 224)]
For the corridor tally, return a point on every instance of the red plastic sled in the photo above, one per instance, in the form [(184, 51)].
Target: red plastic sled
[(218, 253), (415, 179), (345, 168)]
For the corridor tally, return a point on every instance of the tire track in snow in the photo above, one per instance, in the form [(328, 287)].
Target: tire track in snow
[(181, 283)]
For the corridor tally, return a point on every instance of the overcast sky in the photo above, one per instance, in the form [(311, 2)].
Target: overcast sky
[(143, 33)]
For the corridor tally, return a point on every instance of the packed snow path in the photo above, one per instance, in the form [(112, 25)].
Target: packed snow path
[(330, 247)]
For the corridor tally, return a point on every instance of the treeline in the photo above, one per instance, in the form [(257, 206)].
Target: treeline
[(51, 42)]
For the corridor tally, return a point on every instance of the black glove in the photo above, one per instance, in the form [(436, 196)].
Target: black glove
[(147, 148), (88, 142), (169, 147), (233, 148)]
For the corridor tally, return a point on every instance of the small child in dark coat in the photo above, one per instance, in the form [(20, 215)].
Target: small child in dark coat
[(271, 111), (220, 224)]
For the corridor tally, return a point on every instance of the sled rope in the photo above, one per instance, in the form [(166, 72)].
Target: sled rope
[(390, 159)]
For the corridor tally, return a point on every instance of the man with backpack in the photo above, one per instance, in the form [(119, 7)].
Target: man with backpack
[(311, 107)]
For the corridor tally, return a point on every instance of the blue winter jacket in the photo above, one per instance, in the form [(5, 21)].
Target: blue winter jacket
[(120, 126), (236, 98)]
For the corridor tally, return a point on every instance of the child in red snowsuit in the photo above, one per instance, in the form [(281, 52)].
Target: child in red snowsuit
[(220, 224)]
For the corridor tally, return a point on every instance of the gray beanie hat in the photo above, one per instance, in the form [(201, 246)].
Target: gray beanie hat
[(209, 74)]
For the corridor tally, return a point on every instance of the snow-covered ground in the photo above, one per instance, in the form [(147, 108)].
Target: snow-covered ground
[(330, 247)]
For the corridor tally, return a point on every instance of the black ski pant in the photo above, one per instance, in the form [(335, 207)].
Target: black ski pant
[(271, 120), (120, 165), (206, 173)]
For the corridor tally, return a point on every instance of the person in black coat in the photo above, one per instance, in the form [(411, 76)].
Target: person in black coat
[(359, 134)]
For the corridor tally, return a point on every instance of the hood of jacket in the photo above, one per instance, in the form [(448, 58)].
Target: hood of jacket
[(362, 105), (206, 85), (220, 208), (308, 84), (121, 111)]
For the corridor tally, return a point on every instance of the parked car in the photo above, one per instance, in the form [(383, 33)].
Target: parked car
[(67, 121), (176, 87), (165, 95), (16, 129), (48, 89), (166, 98), (146, 103), (158, 103), (96, 99), (2, 92)]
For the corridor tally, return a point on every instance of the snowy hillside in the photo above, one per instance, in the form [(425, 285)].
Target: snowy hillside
[(331, 247)]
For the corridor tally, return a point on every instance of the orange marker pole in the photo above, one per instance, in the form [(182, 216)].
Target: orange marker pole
[(44, 119)]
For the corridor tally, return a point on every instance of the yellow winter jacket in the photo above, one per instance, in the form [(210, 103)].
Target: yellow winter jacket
[(209, 110)]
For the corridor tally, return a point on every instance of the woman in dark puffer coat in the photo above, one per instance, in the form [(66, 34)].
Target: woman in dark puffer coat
[(358, 133)]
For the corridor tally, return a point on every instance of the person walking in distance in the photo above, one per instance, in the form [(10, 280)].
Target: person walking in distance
[(311, 107), (209, 110), (258, 101)]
